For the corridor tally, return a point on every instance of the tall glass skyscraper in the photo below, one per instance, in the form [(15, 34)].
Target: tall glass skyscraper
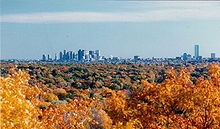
[(80, 55), (97, 52), (196, 51), (61, 56)]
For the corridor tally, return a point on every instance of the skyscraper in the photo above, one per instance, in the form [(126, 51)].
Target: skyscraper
[(48, 57), (67, 55), (61, 56), (55, 57), (97, 52), (196, 52), (71, 55), (64, 55), (86, 55), (80, 55), (92, 54), (185, 56), (74, 55), (43, 58), (213, 55)]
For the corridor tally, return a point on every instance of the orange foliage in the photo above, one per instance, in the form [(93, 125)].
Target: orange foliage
[(176, 102), (17, 111)]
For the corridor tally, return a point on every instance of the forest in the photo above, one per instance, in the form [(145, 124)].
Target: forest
[(109, 96)]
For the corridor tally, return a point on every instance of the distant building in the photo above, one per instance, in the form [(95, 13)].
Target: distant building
[(196, 47), (213, 55), (64, 55), (55, 57), (67, 56), (80, 55), (61, 56), (74, 55), (64, 52), (86, 55), (98, 55), (43, 58), (71, 55), (92, 54), (178, 58), (48, 57), (136, 58), (186, 56)]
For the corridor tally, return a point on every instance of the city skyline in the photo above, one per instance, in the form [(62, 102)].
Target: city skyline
[(92, 55), (117, 28), (58, 55)]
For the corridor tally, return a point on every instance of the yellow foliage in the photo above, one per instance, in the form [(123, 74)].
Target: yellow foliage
[(50, 97), (16, 110), (174, 103)]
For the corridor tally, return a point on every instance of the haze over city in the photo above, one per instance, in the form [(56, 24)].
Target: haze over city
[(119, 28)]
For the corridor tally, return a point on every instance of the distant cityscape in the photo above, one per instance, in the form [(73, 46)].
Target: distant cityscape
[(70, 56), (90, 56)]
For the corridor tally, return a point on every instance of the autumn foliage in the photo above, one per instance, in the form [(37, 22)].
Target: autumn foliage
[(118, 97), (17, 111)]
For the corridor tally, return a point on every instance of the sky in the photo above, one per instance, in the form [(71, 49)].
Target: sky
[(124, 28)]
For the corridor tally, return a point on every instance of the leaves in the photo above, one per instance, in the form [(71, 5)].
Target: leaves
[(119, 97)]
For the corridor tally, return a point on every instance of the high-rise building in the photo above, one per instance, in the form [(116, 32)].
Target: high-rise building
[(97, 53), (86, 55), (92, 54), (196, 52), (55, 57), (67, 55), (80, 55), (64, 55), (213, 55), (48, 57), (61, 56), (74, 55), (71, 55), (185, 56), (43, 58), (64, 52), (136, 58)]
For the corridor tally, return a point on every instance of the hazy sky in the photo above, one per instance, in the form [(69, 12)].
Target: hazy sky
[(30, 28)]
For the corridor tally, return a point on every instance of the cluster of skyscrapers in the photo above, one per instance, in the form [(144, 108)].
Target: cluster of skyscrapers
[(196, 56), (79, 56), (84, 56), (90, 56)]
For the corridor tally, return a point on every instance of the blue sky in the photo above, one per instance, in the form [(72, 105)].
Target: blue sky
[(30, 28)]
